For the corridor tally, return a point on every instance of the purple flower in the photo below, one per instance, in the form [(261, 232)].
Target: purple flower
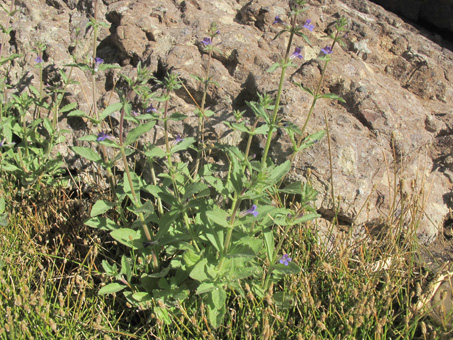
[(296, 53), (252, 210), (97, 62), (3, 141), (134, 113), (103, 136), (178, 139), (38, 60), (308, 26), (285, 259), (206, 41), (326, 50), (151, 108), (278, 21), (217, 32)]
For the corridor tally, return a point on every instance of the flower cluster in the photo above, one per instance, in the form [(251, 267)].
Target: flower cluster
[(285, 259), (103, 136)]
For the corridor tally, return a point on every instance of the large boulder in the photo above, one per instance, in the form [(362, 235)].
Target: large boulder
[(396, 122)]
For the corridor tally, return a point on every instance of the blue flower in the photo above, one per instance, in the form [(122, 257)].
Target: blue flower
[(252, 210), (38, 60), (151, 108), (97, 62), (285, 259), (103, 136), (278, 20), (206, 41), (326, 50), (308, 26), (296, 53), (178, 140)]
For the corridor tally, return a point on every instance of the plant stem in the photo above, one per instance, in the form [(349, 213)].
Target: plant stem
[(201, 119), (279, 93)]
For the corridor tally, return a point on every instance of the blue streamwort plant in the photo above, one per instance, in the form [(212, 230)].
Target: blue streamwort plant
[(196, 234)]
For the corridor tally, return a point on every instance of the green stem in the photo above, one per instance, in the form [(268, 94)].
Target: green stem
[(279, 92), (229, 234), (201, 119)]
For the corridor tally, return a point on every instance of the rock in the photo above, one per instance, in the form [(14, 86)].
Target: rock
[(396, 121)]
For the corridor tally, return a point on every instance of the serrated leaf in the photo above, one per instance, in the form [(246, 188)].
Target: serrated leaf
[(140, 130), (87, 153), (68, 107), (111, 288)]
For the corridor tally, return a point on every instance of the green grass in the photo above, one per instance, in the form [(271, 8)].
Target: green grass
[(50, 274)]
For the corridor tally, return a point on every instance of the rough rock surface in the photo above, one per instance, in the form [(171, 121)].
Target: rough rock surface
[(396, 82)]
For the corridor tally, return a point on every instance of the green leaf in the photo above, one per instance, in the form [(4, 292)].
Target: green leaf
[(89, 138), (155, 152), (218, 216), (259, 111), (183, 145), (142, 296), (162, 314), (177, 116), (88, 153), (126, 268), (284, 300), (273, 67), (292, 188), (306, 89), (190, 258), (125, 236), (332, 96), (279, 171), (140, 130), (205, 287), (110, 270), (216, 306), (269, 242), (196, 188), (2, 205), (217, 238), (48, 126), (101, 207), (111, 288), (68, 107), (136, 182), (312, 139), (110, 109)]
